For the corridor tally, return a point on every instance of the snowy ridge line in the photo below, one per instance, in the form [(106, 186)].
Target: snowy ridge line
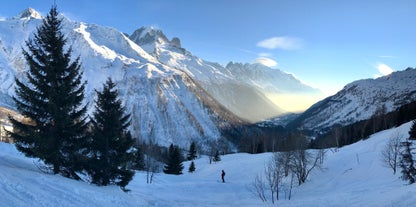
[(360, 100)]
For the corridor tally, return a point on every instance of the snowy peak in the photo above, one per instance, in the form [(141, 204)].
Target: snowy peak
[(146, 35), (28, 13), (150, 37)]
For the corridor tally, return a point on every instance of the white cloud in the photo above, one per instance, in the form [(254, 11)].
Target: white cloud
[(384, 69), (266, 61), (265, 54), (285, 43), (387, 56)]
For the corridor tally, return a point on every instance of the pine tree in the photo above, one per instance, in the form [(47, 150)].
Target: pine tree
[(174, 161), (217, 157), (139, 163), (192, 152), (51, 99), (111, 145), (407, 162), (192, 167), (412, 132)]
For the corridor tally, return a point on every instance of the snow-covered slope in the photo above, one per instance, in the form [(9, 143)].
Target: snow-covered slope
[(352, 176), (162, 99), (361, 99), (247, 90)]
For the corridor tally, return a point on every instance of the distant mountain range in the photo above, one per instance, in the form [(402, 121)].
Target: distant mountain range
[(176, 97), (244, 89)]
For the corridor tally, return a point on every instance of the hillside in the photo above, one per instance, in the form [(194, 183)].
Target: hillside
[(352, 176), (360, 100)]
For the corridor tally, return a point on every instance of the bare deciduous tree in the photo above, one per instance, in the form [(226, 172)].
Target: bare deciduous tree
[(284, 161), (302, 163), (258, 187), (391, 152), (321, 156), (274, 173), (151, 164), (211, 150)]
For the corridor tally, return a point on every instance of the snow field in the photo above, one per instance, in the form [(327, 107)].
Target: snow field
[(352, 176)]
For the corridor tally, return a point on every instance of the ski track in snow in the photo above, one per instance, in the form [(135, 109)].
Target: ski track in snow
[(352, 176)]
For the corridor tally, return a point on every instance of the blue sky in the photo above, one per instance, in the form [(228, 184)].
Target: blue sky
[(325, 43)]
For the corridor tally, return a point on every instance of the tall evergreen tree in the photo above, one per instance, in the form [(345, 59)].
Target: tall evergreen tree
[(412, 132), (51, 99), (111, 145), (192, 152), (407, 163), (217, 156), (138, 163), (192, 168), (174, 161)]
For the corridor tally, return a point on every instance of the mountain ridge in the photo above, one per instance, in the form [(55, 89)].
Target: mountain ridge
[(360, 100), (160, 82), (234, 86)]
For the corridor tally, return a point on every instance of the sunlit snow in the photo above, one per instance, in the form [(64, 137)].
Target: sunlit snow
[(352, 176)]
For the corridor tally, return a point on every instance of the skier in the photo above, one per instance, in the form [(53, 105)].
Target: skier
[(222, 176)]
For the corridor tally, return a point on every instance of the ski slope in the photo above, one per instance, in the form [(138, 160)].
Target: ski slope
[(352, 176)]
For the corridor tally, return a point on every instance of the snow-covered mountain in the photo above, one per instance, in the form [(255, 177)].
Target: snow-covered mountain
[(164, 102), (248, 90), (360, 100), (174, 96)]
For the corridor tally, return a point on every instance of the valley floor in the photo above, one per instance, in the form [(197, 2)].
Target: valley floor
[(352, 176)]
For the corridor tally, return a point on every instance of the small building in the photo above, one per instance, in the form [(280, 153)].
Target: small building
[(4, 127), (5, 124)]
